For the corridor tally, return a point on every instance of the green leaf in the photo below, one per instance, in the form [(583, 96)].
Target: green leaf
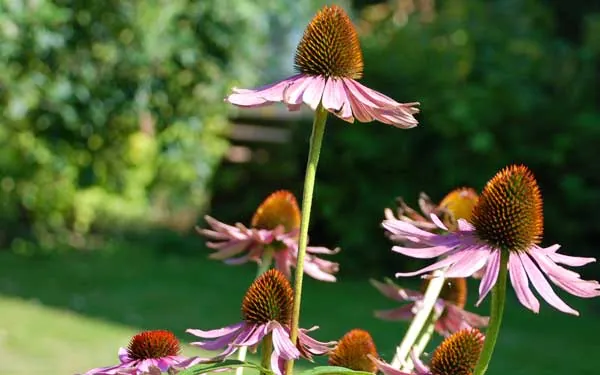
[(334, 370), (227, 364)]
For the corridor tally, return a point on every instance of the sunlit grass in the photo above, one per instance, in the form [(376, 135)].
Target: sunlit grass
[(66, 314)]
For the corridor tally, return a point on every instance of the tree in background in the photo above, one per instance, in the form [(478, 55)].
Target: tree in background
[(111, 110)]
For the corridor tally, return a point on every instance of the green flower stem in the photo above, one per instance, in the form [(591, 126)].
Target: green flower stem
[(316, 139), (266, 351), (422, 340), (263, 267), (497, 310), (416, 326)]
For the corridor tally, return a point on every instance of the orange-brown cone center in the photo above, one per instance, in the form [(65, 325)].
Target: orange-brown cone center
[(458, 354), (330, 46), (459, 203), (269, 298), (509, 214), (153, 344), (280, 208), (453, 291), (352, 350)]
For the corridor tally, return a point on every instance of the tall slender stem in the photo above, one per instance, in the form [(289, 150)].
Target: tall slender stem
[(266, 351), (263, 267), (316, 139), (497, 310), (416, 326), (422, 340)]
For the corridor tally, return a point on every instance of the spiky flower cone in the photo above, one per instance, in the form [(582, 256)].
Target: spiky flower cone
[(330, 46), (269, 298), (353, 351), (509, 213), (153, 344), (458, 354)]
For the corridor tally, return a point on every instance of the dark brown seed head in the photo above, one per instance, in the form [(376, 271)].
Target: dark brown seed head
[(269, 298), (352, 350), (330, 46), (509, 214), (458, 354), (153, 344), (453, 291), (280, 208)]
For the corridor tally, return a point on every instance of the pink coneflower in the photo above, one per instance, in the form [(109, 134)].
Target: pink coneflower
[(274, 228), (147, 351), (329, 61), (507, 219), (354, 350), (266, 312), (450, 305), (456, 355)]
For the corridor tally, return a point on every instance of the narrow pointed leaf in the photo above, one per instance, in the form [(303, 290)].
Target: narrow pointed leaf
[(333, 370), (206, 367)]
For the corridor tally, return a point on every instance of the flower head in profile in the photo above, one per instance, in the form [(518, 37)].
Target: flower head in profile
[(506, 220), (353, 351), (450, 305), (457, 204), (329, 63), (457, 355), (274, 228), (148, 351), (266, 314)]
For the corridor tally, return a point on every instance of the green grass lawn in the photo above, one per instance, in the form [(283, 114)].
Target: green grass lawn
[(64, 314)]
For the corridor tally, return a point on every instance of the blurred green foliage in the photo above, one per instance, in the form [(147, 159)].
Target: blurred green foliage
[(113, 113), (497, 85)]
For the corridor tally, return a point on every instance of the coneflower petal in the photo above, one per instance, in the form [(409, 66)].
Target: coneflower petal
[(490, 275), (543, 287), (423, 253), (520, 283)]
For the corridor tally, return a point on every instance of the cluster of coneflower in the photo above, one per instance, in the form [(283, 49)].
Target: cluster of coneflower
[(491, 236)]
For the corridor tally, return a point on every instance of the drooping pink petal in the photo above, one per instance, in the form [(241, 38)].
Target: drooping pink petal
[(400, 313), (334, 95), (251, 336), (376, 106), (232, 249), (520, 283), (282, 349), (215, 333), (420, 367), (569, 260), (313, 93), (449, 260), (386, 368), (294, 92), (472, 320), (578, 287), (311, 345), (472, 260), (313, 270), (406, 229), (263, 95), (423, 252), (394, 292), (543, 287), (490, 276), (322, 250), (283, 263)]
